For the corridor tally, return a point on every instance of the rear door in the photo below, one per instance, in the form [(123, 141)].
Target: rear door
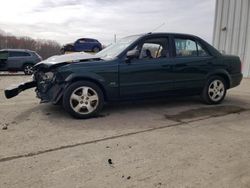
[(91, 44), (17, 59), (150, 72), (191, 63)]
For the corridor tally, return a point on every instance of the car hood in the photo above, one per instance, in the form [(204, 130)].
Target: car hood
[(58, 60), (69, 44)]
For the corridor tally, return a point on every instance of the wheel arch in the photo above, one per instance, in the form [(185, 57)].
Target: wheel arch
[(96, 46), (28, 63), (89, 79), (224, 74)]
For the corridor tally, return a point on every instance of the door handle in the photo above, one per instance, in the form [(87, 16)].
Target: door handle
[(180, 65), (166, 66)]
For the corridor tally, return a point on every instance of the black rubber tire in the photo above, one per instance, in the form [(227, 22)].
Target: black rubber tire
[(71, 88), (96, 49), (25, 69), (205, 96)]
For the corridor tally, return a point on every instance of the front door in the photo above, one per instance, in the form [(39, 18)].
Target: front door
[(3, 60), (148, 73)]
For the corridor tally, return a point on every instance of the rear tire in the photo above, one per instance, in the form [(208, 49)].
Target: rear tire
[(28, 69), (96, 49), (83, 99), (214, 91)]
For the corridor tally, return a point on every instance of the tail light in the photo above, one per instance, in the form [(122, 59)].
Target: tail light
[(241, 66)]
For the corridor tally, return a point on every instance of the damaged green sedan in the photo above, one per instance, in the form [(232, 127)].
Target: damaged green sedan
[(139, 66)]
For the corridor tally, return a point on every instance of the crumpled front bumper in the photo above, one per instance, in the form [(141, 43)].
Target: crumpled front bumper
[(47, 93), (50, 93), (46, 90), (14, 90)]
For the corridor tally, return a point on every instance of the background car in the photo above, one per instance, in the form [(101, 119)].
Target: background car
[(83, 44), (18, 60)]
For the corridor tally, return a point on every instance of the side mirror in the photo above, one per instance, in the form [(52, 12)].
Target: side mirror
[(132, 54)]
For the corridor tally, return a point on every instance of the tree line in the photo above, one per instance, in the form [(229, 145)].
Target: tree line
[(45, 48)]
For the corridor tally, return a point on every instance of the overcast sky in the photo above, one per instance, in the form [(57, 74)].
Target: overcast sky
[(67, 20)]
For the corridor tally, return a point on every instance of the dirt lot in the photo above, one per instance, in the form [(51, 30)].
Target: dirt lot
[(157, 143)]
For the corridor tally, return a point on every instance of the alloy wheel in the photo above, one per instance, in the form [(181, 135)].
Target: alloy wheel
[(84, 100), (216, 90)]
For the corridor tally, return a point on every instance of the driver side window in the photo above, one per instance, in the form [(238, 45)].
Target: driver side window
[(150, 50), (154, 48), (80, 41)]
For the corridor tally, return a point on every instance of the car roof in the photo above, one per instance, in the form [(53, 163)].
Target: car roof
[(86, 38), (164, 33), (16, 50)]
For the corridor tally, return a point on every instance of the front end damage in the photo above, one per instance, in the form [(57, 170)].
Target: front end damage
[(46, 80), (13, 91), (47, 87)]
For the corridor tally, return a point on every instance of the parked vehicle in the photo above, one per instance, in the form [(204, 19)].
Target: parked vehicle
[(139, 66), (83, 44), (18, 60)]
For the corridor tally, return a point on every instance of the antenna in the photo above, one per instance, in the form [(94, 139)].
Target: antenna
[(159, 26), (114, 38)]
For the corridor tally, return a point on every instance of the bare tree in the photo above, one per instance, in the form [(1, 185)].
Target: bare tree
[(45, 48)]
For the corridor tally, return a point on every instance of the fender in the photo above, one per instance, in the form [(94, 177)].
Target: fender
[(88, 76), (28, 63), (109, 91), (223, 73)]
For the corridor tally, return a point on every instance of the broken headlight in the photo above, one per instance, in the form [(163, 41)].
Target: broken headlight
[(47, 76)]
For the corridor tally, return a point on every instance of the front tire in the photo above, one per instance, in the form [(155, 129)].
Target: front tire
[(214, 91), (83, 99), (69, 48)]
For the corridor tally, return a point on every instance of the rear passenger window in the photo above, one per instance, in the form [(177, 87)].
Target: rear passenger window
[(18, 54), (201, 51), (3, 55), (188, 48), (89, 40)]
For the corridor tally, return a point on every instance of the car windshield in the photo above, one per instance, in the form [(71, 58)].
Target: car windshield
[(115, 49)]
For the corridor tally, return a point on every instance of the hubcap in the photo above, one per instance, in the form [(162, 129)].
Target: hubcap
[(84, 100), (216, 90), (28, 69)]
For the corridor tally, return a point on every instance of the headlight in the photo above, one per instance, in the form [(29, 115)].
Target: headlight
[(48, 76)]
